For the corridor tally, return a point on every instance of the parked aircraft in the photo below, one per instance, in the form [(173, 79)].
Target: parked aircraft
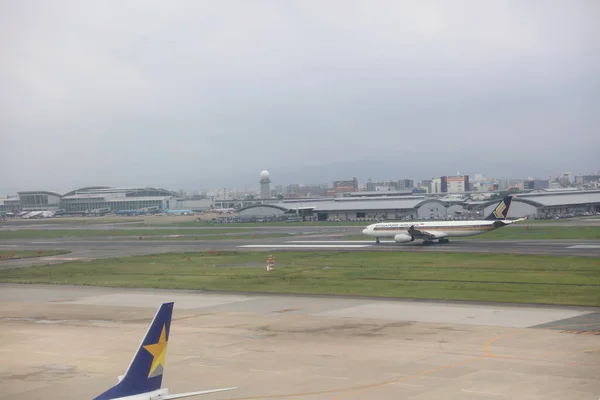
[(143, 378)]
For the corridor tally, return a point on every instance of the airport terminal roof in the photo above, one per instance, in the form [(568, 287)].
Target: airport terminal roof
[(548, 200), (356, 204), (406, 192), (38, 192), (277, 206), (85, 189), (555, 198), (114, 198), (101, 191)]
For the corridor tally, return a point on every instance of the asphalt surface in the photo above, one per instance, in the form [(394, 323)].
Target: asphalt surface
[(72, 342)]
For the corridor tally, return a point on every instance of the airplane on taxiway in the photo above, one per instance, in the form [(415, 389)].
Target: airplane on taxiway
[(143, 378), (428, 231)]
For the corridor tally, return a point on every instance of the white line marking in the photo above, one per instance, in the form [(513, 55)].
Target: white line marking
[(265, 370), (294, 246), (334, 241), (331, 377), (488, 393), (585, 246), (207, 366), (44, 242), (47, 352)]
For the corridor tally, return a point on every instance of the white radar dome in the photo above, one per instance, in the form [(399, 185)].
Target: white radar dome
[(264, 174)]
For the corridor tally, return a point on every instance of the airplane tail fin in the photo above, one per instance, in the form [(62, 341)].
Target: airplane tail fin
[(145, 372), (501, 210)]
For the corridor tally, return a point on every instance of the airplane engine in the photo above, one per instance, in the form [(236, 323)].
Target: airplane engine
[(403, 238)]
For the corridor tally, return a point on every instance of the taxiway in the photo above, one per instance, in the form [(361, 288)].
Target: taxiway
[(72, 342)]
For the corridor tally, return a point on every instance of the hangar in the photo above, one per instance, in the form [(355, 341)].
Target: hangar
[(343, 209), (263, 210), (549, 204)]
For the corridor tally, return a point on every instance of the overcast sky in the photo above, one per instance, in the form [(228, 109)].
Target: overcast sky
[(191, 94)]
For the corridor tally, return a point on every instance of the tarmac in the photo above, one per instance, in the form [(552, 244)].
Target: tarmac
[(72, 342)]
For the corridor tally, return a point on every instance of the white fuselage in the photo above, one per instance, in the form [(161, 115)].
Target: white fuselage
[(441, 228), (163, 394), (154, 395)]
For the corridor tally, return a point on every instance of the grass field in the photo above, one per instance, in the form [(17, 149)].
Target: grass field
[(522, 232), (455, 276), (15, 254), (74, 221)]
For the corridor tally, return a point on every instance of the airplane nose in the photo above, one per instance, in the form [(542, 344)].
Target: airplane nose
[(365, 231)]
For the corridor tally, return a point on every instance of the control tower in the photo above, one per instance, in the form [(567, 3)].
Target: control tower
[(265, 185)]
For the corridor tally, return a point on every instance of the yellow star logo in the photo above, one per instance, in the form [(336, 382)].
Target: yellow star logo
[(159, 352)]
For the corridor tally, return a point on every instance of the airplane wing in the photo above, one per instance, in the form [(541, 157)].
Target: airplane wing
[(188, 394), (500, 223), (423, 234)]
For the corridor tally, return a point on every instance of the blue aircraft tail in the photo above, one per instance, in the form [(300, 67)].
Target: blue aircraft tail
[(501, 210), (145, 372)]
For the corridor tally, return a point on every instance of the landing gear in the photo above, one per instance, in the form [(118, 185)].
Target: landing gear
[(427, 242), (376, 240), (442, 241)]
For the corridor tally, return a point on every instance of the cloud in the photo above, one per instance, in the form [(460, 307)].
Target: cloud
[(205, 92)]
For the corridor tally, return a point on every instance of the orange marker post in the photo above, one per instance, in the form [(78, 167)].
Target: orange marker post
[(270, 263)]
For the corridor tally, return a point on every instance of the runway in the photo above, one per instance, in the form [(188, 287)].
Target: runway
[(73, 342), (90, 249)]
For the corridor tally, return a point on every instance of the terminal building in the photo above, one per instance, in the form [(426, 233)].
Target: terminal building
[(103, 199), (38, 201), (117, 199)]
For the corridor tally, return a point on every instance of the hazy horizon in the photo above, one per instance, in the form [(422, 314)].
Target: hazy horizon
[(207, 94)]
